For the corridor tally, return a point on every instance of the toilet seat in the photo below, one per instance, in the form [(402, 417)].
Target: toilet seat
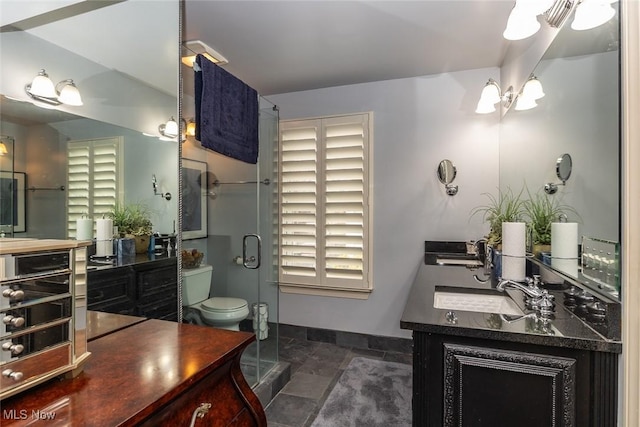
[(223, 304)]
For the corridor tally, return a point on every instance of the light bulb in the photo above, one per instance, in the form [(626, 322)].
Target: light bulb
[(43, 86), (520, 25), (69, 94), (592, 13), (533, 89)]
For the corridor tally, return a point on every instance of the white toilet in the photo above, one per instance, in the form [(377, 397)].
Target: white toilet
[(225, 313)]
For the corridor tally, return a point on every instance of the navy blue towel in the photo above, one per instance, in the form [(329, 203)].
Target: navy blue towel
[(226, 112)]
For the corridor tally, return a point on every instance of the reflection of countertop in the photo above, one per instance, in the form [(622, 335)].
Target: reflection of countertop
[(565, 330), (152, 373), (10, 245), (115, 262), (100, 324)]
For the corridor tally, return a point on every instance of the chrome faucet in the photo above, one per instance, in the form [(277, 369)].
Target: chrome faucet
[(531, 288), (537, 299)]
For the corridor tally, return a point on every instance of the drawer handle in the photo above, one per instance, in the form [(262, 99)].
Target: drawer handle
[(13, 321), (16, 295), (15, 349), (200, 412), (14, 375)]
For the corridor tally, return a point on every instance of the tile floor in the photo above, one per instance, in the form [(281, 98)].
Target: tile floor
[(315, 369)]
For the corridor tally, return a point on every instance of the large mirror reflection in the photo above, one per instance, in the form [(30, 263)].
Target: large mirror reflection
[(93, 141), (578, 116)]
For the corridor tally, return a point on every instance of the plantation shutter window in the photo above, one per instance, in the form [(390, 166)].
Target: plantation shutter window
[(93, 179), (324, 206)]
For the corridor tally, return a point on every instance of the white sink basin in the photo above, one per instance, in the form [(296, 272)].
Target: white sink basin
[(458, 261), (476, 302)]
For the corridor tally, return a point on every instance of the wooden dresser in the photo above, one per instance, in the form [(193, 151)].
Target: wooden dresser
[(153, 373)]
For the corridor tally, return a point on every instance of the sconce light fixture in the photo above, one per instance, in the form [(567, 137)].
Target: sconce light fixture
[(3, 149), (491, 95), (169, 130), (523, 19), (42, 89), (195, 47), (191, 128), (531, 92), (592, 13)]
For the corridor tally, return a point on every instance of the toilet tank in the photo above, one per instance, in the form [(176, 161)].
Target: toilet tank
[(196, 283)]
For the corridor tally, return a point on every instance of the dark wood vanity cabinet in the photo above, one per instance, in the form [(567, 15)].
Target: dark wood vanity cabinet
[(148, 289), (462, 381), (111, 291)]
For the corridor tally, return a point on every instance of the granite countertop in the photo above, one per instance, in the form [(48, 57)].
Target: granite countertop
[(115, 262), (565, 330)]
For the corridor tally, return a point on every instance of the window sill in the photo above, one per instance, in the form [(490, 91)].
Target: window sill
[(325, 291)]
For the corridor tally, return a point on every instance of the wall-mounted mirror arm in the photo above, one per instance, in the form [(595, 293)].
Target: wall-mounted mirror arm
[(156, 192), (446, 174), (564, 164)]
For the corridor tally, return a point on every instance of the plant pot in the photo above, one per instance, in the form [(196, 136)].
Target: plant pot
[(538, 249), (142, 244)]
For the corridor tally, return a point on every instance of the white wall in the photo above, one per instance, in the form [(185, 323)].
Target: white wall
[(570, 119), (417, 123)]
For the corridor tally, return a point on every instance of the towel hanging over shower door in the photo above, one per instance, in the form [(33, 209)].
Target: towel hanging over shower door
[(226, 112)]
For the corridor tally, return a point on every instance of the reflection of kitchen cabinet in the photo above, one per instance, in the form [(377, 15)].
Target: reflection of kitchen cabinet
[(148, 289), (469, 381)]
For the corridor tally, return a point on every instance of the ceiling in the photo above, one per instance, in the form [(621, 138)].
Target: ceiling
[(286, 46)]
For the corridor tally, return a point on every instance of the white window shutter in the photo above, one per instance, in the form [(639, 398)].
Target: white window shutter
[(324, 203), (93, 179)]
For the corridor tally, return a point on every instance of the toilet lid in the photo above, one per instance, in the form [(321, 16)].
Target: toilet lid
[(223, 304)]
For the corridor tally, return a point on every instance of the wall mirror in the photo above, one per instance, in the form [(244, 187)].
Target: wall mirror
[(124, 61), (446, 172), (564, 166), (579, 115)]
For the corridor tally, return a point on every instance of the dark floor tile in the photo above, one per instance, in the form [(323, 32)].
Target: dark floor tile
[(351, 339), (325, 361), (405, 358), (296, 352), (289, 410), (322, 335), (307, 385), (356, 352), (292, 331), (398, 345)]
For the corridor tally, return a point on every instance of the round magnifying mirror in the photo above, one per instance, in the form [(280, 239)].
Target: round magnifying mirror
[(446, 172), (563, 167)]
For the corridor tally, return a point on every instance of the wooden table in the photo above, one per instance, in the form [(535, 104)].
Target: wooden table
[(100, 324), (153, 373)]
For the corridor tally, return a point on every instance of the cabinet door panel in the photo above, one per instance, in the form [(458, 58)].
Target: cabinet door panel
[(494, 387)]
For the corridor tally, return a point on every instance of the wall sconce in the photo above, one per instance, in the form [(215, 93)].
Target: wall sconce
[(531, 92), (169, 130), (3, 149), (154, 182), (523, 19), (42, 89), (592, 13), (191, 128), (491, 95), (195, 47)]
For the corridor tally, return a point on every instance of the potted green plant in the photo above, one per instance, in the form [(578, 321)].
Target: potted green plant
[(133, 220), (506, 207), (540, 211)]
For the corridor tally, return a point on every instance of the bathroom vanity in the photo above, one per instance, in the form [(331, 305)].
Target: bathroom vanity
[(150, 373), (143, 285), (481, 358)]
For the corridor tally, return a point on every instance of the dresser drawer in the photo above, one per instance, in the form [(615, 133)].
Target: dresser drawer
[(27, 369), (228, 407)]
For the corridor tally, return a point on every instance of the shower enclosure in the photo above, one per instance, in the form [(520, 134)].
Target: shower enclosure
[(242, 237)]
